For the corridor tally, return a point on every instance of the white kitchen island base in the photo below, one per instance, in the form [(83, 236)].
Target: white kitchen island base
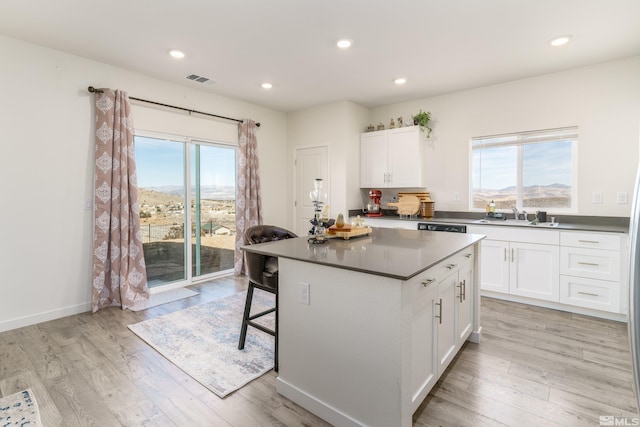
[(360, 349)]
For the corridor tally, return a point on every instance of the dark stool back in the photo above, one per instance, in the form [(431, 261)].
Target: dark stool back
[(263, 274)]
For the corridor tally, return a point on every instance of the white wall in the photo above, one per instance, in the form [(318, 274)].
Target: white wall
[(46, 170), (603, 100), (336, 125)]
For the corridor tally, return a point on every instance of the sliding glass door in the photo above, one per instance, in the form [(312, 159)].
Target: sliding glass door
[(166, 168), (213, 208)]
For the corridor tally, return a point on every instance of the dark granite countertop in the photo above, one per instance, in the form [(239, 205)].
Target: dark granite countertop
[(565, 222), (396, 253)]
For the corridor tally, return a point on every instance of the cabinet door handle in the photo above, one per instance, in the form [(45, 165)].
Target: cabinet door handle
[(428, 282), (589, 241), (389, 175), (463, 290), (512, 254), (588, 263), (505, 254), (439, 304), (588, 293), (451, 266)]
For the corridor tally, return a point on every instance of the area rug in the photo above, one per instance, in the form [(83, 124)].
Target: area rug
[(203, 341), (163, 298), (20, 409)]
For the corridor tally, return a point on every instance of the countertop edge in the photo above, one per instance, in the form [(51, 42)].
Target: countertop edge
[(263, 249)]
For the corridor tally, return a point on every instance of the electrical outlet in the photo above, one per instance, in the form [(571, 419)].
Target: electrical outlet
[(303, 293), (88, 204), (622, 198), (456, 197), (596, 197)]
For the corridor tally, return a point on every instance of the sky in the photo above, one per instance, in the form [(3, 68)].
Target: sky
[(160, 162), (543, 164)]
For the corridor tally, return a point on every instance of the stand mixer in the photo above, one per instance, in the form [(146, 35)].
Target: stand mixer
[(373, 208)]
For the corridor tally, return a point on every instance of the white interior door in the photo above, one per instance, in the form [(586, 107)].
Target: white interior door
[(311, 163)]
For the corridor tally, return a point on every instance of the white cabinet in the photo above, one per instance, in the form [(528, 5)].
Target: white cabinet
[(495, 266), (577, 271), (518, 267), (424, 365), (534, 271), (591, 271), (446, 315), (442, 300), (392, 158), (464, 298)]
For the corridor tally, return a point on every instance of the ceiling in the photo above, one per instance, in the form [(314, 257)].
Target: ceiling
[(439, 46)]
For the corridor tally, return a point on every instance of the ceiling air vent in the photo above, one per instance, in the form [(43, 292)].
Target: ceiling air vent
[(200, 79)]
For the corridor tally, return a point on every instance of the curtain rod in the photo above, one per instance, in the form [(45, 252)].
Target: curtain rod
[(92, 89)]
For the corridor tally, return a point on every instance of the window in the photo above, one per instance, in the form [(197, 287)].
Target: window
[(166, 168), (526, 170)]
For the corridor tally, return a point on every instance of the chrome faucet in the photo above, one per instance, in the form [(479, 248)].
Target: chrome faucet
[(515, 213), (524, 215)]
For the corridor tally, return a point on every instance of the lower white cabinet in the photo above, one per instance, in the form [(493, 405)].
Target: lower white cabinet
[(569, 270), (593, 271), (534, 271), (424, 358), (442, 319), (524, 269), (465, 295), (446, 308)]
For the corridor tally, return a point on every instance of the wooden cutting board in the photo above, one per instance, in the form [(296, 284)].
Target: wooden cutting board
[(407, 205)]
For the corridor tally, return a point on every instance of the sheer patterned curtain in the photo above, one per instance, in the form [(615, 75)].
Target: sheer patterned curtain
[(248, 203), (119, 273)]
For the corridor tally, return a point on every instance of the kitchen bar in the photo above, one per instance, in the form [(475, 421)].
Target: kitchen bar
[(367, 325)]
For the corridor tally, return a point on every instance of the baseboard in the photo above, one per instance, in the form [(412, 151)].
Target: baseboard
[(32, 319), (556, 306), (311, 404), (475, 335)]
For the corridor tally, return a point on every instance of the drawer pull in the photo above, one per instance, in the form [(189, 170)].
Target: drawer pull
[(428, 282), (439, 304), (588, 263), (468, 255), (588, 293), (451, 266), (589, 241)]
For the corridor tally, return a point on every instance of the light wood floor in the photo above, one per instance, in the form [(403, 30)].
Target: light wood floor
[(534, 367)]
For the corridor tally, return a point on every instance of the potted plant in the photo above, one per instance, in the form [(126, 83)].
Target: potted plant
[(422, 119)]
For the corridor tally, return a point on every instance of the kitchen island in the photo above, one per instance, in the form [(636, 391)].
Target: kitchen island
[(367, 325)]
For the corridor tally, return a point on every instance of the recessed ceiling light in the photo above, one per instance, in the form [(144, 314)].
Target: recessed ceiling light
[(560, 40), (400, 81), (344, 43), (267, 85), (175, 53)]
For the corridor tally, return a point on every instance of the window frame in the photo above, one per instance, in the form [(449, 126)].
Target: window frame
[(520, 140)]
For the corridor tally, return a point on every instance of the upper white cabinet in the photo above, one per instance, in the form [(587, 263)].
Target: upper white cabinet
[(392, 158)]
